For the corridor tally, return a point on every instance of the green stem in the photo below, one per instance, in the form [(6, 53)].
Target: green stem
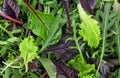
[(104, 37), (76, 41), (9, 33)]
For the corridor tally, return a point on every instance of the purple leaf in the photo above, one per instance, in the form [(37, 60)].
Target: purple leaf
[(32, 66), (66, 72), (10, 8), (62, 49), (88, 5), (105, 67)]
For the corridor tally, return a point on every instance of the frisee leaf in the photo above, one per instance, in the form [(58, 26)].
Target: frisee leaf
[(28, 50), (90, 30)]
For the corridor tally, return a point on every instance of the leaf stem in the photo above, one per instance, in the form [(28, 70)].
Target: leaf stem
[(76, 41), (104, 36), (11, 19), (65, 2)]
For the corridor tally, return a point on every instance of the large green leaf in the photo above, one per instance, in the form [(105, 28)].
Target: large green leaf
[(90, 30), (28, 50), (49, 66), (37, 26)]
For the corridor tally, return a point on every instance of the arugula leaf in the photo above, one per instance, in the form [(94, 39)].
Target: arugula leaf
[(28, 50), (37, 27), (90, 30)]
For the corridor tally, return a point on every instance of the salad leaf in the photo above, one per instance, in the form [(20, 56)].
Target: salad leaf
[(88, 5), (37, 27), (28, 50), (85, 70), (49, 66), (62, 49), (10, 8), (65, 71), (90, 30)]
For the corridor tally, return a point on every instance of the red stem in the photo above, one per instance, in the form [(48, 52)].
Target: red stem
[(11, 19), (65, 2)]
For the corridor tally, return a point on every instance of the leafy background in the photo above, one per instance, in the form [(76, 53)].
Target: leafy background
[(59, 38)]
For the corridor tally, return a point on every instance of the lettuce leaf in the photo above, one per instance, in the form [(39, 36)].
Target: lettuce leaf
[(90, 29)]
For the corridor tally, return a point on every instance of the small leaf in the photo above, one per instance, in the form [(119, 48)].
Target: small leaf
[(90, 29), (88, 5), (28, 50), (116, 7), (32, 66), (66, 72), (85, 70), (49, 66), (10, 8)]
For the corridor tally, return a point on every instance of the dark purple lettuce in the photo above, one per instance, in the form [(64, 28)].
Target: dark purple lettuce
[(66, 72), (88, 5), (62, 49), (10, 8)]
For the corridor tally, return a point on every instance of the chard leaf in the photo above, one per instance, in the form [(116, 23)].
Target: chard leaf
[(28, 50), (38, 28), (90, 30), (10, 8)]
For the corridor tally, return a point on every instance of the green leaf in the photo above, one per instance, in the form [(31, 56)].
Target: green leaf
[(49, 66), (90, 30), (117, 37), (38, 28), (85, 70), (28, 50), (54, 36), (116, 7)]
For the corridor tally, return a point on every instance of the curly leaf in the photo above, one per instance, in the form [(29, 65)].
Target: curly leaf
[(28, 50), (90, 30), (37, 27)]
